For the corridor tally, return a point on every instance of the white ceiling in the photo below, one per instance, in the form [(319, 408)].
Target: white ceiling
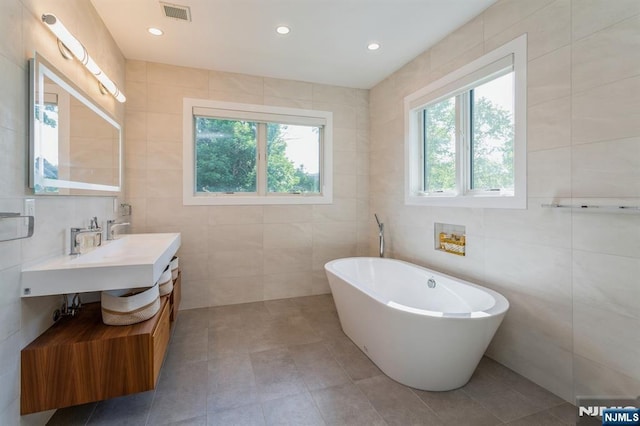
[(327, 43)]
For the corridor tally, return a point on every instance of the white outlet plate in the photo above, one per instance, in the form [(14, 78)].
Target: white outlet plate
[(29, 208)]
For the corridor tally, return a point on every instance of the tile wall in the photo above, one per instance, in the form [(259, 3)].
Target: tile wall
[(235, 254), (572, 278), (21, 33)]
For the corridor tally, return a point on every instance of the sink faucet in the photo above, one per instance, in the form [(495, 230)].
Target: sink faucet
[(93, 223), (112, 226)]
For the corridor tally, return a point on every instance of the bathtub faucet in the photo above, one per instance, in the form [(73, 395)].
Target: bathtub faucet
[(380, 234)]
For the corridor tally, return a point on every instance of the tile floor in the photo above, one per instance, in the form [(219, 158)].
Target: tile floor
[(287, 362)]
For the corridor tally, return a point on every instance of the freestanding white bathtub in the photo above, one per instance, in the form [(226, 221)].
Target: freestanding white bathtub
[(426, 338)]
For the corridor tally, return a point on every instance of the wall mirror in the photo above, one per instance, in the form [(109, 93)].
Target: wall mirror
[(75, 146)]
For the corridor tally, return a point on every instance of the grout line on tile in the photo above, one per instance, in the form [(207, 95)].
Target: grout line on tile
[(153, 400), (628, 18), (92, 412)]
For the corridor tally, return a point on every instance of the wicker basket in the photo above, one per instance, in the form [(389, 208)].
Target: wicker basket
[(174, 267), (129, 306), (165, 283), (452, 243)]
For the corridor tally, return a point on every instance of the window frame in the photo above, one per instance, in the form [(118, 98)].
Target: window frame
[(261, 114), (453, 85)]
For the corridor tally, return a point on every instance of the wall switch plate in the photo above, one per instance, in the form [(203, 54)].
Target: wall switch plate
[(29, 207)]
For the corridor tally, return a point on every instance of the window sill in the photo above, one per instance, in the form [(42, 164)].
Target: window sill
[(252, 200)]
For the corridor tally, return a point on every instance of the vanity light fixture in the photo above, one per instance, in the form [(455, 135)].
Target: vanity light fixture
[(373, 46), (72, 44), (283, 30), (155, 31)]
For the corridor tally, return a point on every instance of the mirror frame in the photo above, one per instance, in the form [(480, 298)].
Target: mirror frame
[(38, 69)]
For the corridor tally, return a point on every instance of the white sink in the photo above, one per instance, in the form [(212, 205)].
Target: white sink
[(135, 260)]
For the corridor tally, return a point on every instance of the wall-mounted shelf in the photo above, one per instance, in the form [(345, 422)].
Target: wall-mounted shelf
[(595, 208), (12, 226), (450, 238)]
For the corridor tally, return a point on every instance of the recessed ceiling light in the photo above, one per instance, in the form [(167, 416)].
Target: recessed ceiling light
[(155, 31), (373, 46), (283, 30)]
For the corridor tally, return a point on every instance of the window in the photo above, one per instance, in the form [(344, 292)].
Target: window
[(255, 154), (226, 156), (465, 138)]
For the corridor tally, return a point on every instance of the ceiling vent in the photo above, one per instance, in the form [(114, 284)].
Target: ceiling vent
[(175, 11)]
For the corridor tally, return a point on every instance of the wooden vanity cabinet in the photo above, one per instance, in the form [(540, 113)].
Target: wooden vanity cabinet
[(80, 360)]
